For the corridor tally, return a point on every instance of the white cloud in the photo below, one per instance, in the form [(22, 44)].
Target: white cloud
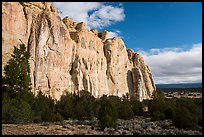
[(94, 14), (175, 65), (106, 16), (112, 34)]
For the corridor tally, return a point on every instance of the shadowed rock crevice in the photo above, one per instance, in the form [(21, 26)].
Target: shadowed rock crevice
[(74, 72), (130, 83)]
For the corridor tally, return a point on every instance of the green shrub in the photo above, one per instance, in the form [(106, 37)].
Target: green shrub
[(198, 103), (156, 109), (168, 112), (193, 110), (17, 71), (84, 105), (182, 118), (77, 106), (43, 107), (107, 113), (65, 106), (136, 105), (161, 108), (169, 108), (158, 115), (16, 86), (125, 110), (56, 117), (15, 111)]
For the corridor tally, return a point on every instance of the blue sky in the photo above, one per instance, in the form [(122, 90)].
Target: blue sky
[(160, 24), (167, 34)]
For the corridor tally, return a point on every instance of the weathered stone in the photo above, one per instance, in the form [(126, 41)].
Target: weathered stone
[(95, 31), (40, 133), (66, 126), (118, 68), (86, 122), (45, 124), (143, 84), (137, 127), (65, 56), (109, 131), (103, 35), (70, 23), (81, 26)]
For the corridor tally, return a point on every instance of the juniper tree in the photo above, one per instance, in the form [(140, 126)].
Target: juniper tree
[(17, 97), (17, 72), (107, 113)]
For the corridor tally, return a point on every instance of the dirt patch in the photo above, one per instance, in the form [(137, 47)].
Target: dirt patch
[(51, 129)]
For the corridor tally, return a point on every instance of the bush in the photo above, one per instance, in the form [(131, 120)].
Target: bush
[(136, 105), (198, 103), (183, 119), (44, 108), (187, 103), (158, 115), (54, 117), (107, 113), (169, 111), (192, 108), (84, 105), (77, 106), (14, 111), (156, 109), (65, 106), (169, 108), (161, 108), (17, 71), (125, 110), (16, 86)]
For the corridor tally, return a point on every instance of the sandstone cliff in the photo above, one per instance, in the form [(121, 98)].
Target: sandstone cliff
[(66, 56)]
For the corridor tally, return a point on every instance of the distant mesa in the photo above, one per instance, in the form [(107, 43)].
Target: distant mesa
[(184, 85)]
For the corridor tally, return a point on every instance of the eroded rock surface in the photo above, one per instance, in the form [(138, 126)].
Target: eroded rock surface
[(66, 56)]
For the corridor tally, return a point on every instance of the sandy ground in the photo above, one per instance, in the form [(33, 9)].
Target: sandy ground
[(53, 129)]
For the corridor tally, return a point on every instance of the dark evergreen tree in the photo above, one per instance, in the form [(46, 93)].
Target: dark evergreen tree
[(16, 88), (107, 113), (136, 105), (44, 109), (16, 111), (65, 106), (125, 111), (182, 118), (17, 71), (157, 106), (84, 106)]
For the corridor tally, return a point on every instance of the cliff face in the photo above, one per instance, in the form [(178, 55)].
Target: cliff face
[(67, 56)]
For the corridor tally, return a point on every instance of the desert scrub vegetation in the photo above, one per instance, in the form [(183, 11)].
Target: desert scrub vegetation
[(19, 105), (185, 113)]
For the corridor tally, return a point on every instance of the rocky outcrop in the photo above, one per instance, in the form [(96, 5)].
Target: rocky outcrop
[(39, 26), (143, 84), (66, 56), (70, 24)]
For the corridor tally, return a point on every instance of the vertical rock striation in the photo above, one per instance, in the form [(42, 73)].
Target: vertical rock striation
[(143, 84), (66, 56)]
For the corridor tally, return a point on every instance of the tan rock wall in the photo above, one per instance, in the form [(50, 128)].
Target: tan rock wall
[(117, 66), (66, 56)]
